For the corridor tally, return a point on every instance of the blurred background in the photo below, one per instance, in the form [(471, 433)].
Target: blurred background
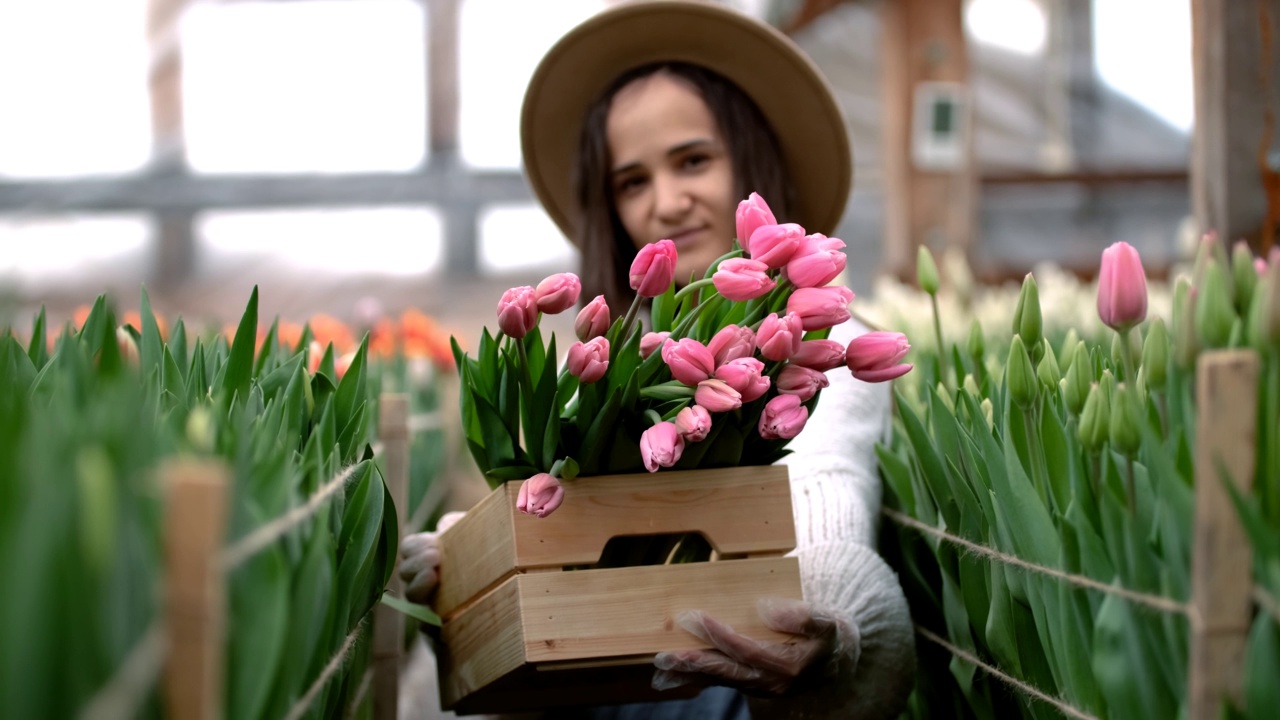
[(362, 156)]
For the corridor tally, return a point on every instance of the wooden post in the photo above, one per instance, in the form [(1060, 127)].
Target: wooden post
[(1235, 152), (174, 235), (194, 608), (1221, 562), (924, 41), (388, 624)]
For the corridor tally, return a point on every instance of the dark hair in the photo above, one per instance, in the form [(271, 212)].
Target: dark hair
[(754, 154)]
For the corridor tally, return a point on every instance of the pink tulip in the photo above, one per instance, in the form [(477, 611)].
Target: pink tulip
[(1260, 266), (540, 495), (588, 361), (783, 418), (818, 260), (801, 381), (651, 341), (315, 354), (518, 311), (874, 356), (731, 343), (821, 307), (653, 269), (821, 355), (661, 446), (694, 423), (752, 213), (742, 279), (716, 396), (593, 320), (746, 375), (1122, 287), (779, 337), (690, 361), (558, 293), (774, 245)]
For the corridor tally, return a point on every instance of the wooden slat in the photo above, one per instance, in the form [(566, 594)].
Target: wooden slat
[(477, 552), (1221, 563), (482, 644), (388, 624)]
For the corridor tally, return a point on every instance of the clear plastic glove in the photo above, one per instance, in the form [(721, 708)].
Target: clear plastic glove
[(823, 641), (420, 560)]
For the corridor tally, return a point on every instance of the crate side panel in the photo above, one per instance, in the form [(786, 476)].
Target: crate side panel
[(477, 551), (482, 644)]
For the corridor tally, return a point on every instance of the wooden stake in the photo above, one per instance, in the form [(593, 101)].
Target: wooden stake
[(1221, 563), (388, 624), (194, 611)]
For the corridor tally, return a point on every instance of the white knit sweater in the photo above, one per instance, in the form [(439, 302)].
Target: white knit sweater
[(835, 492)]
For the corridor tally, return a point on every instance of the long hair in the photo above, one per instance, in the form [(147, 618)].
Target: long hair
[(754, 154)]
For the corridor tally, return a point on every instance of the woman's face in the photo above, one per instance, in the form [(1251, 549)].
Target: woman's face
[(671, 174)]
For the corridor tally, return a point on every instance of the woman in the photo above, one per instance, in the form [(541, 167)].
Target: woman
[(652, 120)]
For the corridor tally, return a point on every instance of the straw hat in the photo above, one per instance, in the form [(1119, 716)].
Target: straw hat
[(785, 84)]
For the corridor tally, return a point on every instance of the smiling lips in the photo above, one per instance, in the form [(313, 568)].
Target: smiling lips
[(684, 237)]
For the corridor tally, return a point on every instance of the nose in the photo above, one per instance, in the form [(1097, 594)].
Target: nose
[(672, 199)]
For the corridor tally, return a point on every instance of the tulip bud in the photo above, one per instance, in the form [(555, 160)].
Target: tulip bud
[(1020, 378), (1185, 343), (742, 279), (1122, 287), (783, 418), (593, 320), (1244, 276), (690, 361), (976, 346), (926, 271), (588, 361), (752, 213), (1268, 322), (822, 307), (970, 385), (518, 311), (732, 342), (1027, 320), (540, 495), (800, 381), (1079, 379), (779, 337), (653, 269), (1126, 429), (821, 355), (557, 293), (1047, 369), (746, 375), (817, 261), (774, 245), (1068, 350), (1155, 355), (945, 396), (694, 423), (876, 356), (988, 413), (651, 341), (1211, 249), (1214, 314), (661, 446), (1094, 428), (717, 396)]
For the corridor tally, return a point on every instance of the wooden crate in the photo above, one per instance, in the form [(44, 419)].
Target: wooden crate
[(520, 633)]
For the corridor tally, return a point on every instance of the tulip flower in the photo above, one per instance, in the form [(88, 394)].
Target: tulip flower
[(817, 261), (540, 495), (694, 423), (588, 361), (1047, 369), (926, 271), (752, 213), (653, 269), (717, 396), (874, 356), (821, 355), (1027, 318), (742, 279), (801, 381), (779, 337), (1122, 287), (774, 245), (518, 311), (1214, 314), (343, 363), (661, 446), (783, 418), (689, 360), (820, 308), (731, 343), (651, 341), (976, 345), (593, 320), (128, 346), (1079, 379), (746, 375), (1020, 378), (557, 293), (1244, 276), (1155, 355)]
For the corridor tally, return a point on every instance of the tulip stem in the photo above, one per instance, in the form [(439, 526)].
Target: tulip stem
[(1035, 456), (1127, 358), (691, 287), (653, 416), (937, 334), (628, 319), (1129, 486)]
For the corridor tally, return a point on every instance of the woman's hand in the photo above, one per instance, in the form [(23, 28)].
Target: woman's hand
[(756, 667), (420, 560)]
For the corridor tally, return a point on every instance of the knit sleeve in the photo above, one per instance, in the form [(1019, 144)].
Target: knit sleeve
[(836, 492)]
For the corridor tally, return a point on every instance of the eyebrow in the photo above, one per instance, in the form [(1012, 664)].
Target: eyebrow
[(678, 149)]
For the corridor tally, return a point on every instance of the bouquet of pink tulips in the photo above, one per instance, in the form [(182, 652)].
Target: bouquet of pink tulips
[(726, 374)]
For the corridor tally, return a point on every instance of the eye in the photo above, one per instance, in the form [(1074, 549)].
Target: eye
[(693, 161), (628, 184)]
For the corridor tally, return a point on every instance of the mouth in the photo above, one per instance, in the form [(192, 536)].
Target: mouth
[(684, 238)]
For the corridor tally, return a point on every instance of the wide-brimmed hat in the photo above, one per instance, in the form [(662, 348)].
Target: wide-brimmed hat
[(786, 85)]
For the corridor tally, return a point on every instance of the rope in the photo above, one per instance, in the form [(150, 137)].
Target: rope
[(1155, 602), (363, 689), (300, 708), (1267, 602), (122, 697), (256, 541), (426, 421), (1058, 703)]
